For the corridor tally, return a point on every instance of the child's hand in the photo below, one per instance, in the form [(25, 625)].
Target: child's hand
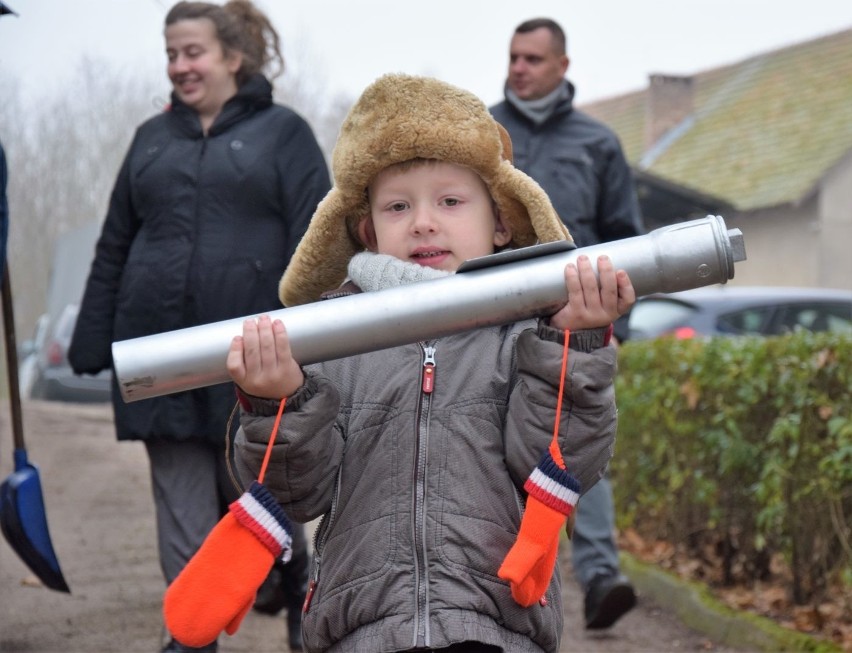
[(594, 301), (260, 361)]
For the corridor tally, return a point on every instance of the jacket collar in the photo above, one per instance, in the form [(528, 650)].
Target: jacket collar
[(559, 102), (254, 95)]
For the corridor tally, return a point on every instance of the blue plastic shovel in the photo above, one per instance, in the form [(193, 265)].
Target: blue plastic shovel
[(22, 515)]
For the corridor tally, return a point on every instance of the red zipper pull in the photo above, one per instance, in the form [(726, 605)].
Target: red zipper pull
[(310, 594), (429, 370)]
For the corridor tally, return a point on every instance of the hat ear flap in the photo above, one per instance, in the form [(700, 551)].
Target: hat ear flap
[(321, 259), (526, 207), (506, 141)]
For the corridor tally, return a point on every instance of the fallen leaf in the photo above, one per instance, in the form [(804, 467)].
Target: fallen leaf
[(30, 581)]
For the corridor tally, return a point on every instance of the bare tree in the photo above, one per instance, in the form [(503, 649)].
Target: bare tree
[(64, 149), (304, 86)]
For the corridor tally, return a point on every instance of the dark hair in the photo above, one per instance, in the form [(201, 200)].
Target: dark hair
[(240, 27), (556, 32)]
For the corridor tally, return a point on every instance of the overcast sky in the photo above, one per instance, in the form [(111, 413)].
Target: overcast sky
[(613, 44)]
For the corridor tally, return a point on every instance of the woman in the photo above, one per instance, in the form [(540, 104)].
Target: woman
[(210, 202)]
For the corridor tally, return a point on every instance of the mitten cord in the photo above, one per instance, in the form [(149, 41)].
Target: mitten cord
[(555, 453), (272, 437)]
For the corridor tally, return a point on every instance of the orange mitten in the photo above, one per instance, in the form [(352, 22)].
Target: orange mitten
[(528, 566), (218, 585)]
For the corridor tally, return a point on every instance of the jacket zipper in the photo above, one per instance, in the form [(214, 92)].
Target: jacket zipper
[(320, 537), (422, 636), (428, 370)]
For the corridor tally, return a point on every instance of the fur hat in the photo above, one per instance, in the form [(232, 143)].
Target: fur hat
[(398, 118)]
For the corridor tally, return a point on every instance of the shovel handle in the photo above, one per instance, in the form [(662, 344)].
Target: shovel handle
[(12, 360)]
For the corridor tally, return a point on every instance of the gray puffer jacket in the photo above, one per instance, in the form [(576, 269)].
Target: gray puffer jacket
[(421, 492)]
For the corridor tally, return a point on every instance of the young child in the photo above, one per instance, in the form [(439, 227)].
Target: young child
[(418, 457)]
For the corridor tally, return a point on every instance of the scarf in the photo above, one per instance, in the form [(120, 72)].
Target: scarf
[(541, 109), (371, 271)]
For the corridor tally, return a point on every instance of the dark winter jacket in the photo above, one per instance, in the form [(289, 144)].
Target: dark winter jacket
[(579, 163), (422, 491), (199, 229)]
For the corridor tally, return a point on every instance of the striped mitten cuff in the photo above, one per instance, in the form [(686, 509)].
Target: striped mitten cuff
[(261, 514), (553, 486)]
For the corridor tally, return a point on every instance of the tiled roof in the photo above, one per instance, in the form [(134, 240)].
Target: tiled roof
[(764, 130)]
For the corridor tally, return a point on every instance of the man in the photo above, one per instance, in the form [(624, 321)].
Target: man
[(579, 163)]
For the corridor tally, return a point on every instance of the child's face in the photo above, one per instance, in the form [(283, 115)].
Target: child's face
[(435, 214)]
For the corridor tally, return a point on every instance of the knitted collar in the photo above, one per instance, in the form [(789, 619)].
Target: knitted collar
[(538, 111), (371, 271)]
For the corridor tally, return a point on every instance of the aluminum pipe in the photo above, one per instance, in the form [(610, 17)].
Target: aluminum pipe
[(492, 290)]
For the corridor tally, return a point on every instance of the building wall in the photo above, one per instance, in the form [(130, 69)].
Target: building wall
[(809, 244), (835, 236), (782, 246)]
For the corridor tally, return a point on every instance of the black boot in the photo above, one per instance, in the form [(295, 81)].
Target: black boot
[(607, 600), (294, 629), (286, 587), (287, 583), (294, 583), (270, 597)]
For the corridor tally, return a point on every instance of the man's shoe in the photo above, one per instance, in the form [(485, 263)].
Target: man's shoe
[(607, 600)]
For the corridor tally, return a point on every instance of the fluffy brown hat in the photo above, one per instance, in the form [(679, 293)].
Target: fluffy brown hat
[(398, 118)]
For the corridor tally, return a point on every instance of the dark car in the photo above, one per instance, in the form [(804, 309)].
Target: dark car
[(53, 377), (733, 310)]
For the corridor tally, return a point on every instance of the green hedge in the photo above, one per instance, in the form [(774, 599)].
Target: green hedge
[(743, 444)]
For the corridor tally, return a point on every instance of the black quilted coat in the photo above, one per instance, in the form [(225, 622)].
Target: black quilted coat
[(199, 229)]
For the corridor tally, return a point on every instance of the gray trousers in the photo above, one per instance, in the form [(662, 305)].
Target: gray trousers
[(192, 491), (593, 548)]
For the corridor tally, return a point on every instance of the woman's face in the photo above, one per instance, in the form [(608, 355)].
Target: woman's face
[(202, 76)]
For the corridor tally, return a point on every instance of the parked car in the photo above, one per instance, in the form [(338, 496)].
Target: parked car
[(52, 377), (733, 310), (28, 355)]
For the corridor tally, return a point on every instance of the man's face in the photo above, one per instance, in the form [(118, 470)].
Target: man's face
[(535, 68)]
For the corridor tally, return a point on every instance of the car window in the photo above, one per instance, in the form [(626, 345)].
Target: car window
[(813, 317), (652, 317), (746, 321), (838, 323)]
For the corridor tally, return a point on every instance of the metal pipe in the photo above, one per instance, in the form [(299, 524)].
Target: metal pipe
[(493, 290)]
